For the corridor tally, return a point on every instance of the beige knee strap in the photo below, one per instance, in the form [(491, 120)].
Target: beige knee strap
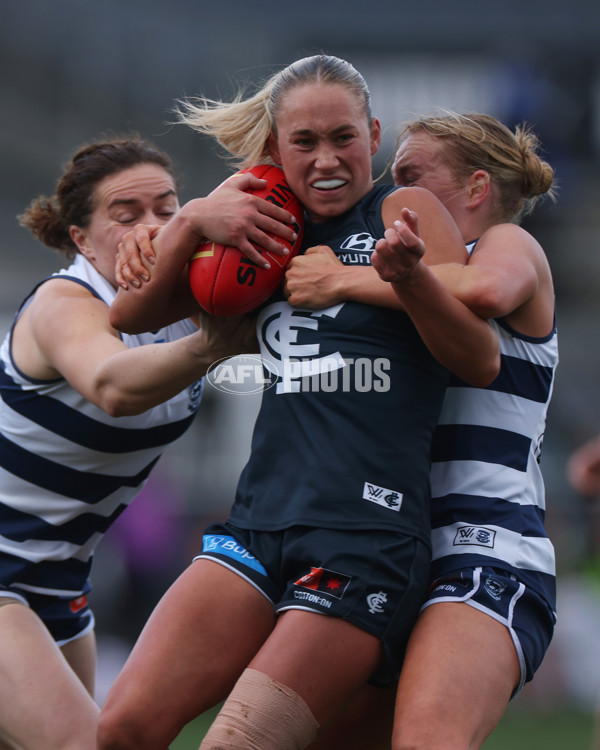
[(261, 714)]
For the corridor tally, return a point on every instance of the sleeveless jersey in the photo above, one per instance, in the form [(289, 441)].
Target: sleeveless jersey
[(68, 469), (488, 503), (343, 436)]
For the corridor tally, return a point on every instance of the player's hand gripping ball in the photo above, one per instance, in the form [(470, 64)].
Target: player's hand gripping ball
[(226, 282)]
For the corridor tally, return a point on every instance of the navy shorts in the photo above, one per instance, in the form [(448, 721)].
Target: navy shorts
[(499, 594), (66, 619), (376, 580)]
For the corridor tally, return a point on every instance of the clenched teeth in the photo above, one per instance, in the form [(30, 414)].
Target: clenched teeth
[(328, 184)]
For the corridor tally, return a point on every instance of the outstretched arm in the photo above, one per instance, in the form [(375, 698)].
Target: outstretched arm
[(318, 279), (508, 276), (459, 339), (91, 356), (322, 281)]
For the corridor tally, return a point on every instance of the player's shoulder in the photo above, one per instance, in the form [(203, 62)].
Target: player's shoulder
[(509, 237), (57, 287), (506, 229), (412, 197), (420, 200)]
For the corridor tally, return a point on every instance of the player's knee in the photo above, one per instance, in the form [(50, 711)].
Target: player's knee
[(428, 738), (113, 737), (119, 732), (261, 714)]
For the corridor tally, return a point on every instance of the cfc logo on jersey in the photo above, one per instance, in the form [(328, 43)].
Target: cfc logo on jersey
[(279, 325), (300, 366)]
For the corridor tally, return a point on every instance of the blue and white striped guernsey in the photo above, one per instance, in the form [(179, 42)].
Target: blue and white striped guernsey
[(488, 499), (67, 469)]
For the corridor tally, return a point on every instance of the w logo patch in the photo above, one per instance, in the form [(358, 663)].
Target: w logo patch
[(389, 499), (479, 536)]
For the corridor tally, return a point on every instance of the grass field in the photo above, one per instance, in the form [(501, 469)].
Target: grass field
[(557, 730), (518, 730)]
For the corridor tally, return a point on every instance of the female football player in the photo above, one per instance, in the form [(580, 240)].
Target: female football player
[(312, 585), (85, 414)]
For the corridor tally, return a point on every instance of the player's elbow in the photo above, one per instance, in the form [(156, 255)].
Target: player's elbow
[(116, 318), (487, 301), (485, 372), (115, 401), (124, 323), (116, 406), (486, 377)]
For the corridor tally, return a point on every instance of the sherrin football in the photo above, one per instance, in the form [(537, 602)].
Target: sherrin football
[(226, 282)]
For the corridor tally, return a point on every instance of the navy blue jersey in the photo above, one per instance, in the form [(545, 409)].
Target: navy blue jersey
[(343, 436)]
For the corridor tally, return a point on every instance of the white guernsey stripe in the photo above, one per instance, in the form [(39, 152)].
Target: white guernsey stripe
[(488, 497), (530, 553)]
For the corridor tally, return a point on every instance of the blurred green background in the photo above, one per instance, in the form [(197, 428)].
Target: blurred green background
[(518, 730)]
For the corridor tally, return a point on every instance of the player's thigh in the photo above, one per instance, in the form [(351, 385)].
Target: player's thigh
[(322, 658), (200, 637), (80, 653), (459, 673), (42, 702)]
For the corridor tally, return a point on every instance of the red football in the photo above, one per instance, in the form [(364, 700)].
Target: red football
[(224, 281)]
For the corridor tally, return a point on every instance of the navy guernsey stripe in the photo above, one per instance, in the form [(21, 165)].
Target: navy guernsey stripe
[(483, 511), (456, 442), (17, 526), (86, 486), (71, 424), (519, 378)]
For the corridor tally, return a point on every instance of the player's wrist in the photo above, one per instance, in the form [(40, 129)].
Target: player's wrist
[(412, 281), (192, 218)]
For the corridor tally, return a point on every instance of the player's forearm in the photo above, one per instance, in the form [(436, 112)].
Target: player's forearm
[(462, 341), (152, 306), (138, 379), (479, 289), (353, 284)]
